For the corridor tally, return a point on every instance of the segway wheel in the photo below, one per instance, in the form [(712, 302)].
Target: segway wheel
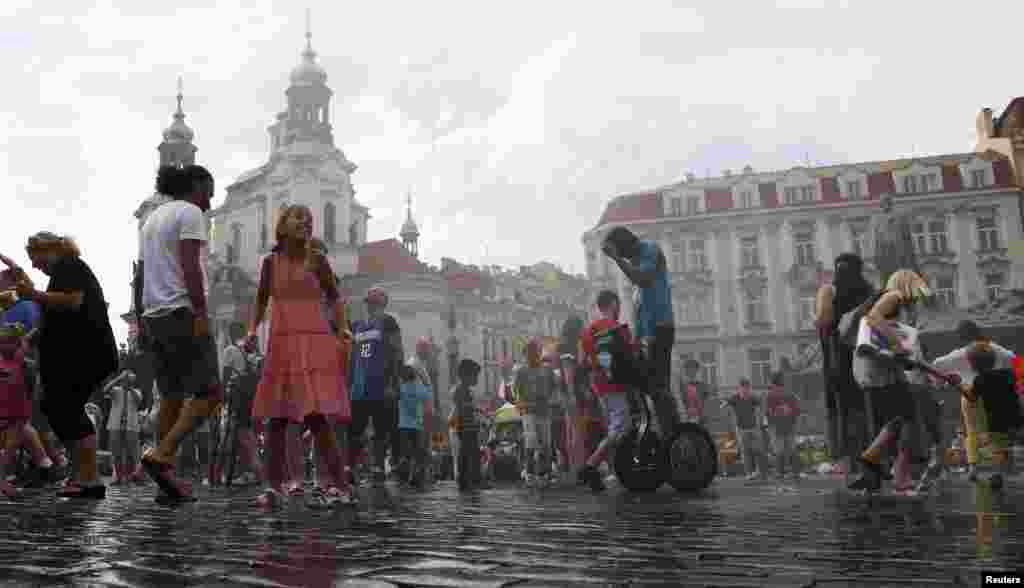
[(691, 458), (640, 462)]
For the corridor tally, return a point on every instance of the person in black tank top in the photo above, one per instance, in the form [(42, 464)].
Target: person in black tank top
[(844, 402)]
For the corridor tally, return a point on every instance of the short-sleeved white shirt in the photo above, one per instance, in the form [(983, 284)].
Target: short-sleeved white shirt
[(163, 278)]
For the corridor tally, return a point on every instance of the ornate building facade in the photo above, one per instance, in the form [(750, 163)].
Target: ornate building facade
[(748, 251), (303, 167)]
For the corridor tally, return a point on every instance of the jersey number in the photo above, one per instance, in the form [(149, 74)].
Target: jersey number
[(366, 350)]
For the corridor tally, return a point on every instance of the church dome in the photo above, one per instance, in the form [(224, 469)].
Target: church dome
[(178, 131), (409, 227), (309, 72)]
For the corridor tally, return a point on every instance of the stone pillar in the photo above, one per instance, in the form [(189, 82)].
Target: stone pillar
[(968, 277)]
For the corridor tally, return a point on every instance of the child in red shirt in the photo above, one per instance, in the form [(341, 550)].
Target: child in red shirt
[(610, 392), (782, 409)]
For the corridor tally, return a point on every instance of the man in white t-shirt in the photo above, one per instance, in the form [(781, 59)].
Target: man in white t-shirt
[(171, 290)]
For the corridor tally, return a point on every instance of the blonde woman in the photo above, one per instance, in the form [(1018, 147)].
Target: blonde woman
[(884, 381), (302, 380), (75, 333)]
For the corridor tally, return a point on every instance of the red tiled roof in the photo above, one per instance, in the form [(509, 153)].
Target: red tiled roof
[(632, 207), (465, 280), (387, 257), (718, 195)]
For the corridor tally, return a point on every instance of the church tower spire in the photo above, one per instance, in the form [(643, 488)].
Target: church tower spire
[(177, 149), (410, 232), (308, 114)]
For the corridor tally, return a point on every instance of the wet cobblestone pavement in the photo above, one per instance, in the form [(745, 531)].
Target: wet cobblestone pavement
[(732, 535)]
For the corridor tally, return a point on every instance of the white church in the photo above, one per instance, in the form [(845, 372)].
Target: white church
[(303, 167)]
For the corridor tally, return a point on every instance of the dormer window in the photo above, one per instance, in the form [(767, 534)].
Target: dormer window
[(693, 205), (800, 194), (918, 179), (745, 196), (977, 174), (915, 184), (676, 204), (853, 186)]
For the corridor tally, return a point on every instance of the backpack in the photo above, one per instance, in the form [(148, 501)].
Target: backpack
[(849, 323), (613, 354)]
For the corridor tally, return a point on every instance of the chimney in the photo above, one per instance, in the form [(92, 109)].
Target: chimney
[(726, 173), (690, 177), (748, 170), (986, 127)]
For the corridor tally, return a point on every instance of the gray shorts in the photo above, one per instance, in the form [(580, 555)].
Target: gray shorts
[(185, 366)]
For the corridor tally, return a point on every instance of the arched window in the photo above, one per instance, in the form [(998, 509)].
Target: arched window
[(235, 250), (329, 220), (262, 219), (353, 234)]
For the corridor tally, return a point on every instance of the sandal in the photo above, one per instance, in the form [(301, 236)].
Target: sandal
[(163, 474), (271, 498), (8, 490), (97, 492)]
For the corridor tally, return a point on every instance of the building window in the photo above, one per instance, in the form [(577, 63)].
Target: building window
[(708, 361), (750, 255), (994, 286), (805, 313), (859, 241), (979, 179), (695, 309), (678, 256), (262, 219), (920, 183), (756, 311), (854, 190), (988, 233), (930, 237), (353, 234), (746, 199), (803, 248), (790, 195), (696, 260), (945, 291), (760, 367), (235, 251), (676, 206), (800, 194), (329, 223), (692, 205)]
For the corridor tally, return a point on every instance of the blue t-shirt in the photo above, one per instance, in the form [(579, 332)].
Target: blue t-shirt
[(25, 312), (371, 357), (656, 300), (410, 404)]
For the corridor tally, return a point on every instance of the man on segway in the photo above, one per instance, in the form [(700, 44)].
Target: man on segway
[(691, 459)]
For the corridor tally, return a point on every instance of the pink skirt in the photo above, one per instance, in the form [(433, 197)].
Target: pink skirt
[(303, 376)]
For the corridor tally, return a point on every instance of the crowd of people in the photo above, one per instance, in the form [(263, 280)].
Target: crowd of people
[(304, 374)]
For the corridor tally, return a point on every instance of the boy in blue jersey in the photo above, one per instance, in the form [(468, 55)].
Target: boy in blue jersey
[(377, 356)]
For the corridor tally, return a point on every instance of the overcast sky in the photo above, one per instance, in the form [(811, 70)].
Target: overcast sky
[(512, 123)]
